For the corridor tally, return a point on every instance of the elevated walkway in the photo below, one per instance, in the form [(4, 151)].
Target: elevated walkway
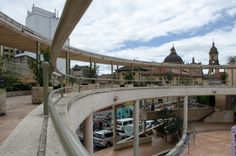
[(28, 138)]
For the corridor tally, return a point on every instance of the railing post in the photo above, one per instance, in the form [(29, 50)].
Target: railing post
[(67, 66), (114, 113), (88, 133), (232, 77), (136, 128), (45, 87), (61, 83), (111, 75), (185, 115), (202, 75), (38, 58)]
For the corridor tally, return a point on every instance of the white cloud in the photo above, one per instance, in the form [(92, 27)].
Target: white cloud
[(231, 12), (197, 47), (107, 24)]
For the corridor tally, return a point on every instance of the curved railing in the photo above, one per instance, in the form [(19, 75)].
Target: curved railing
[(69, 141), (73, 11)]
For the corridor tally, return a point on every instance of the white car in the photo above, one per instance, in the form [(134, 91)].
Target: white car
[(103, 138)]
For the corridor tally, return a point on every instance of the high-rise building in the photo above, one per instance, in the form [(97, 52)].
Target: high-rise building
[(43, 22)]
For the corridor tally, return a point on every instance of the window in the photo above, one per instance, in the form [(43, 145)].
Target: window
[(108, 135)]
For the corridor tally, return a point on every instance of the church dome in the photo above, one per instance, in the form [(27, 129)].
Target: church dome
[(213, 49), (173, 57)]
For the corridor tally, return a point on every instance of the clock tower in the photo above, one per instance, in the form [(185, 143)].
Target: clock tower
[(213, 59)]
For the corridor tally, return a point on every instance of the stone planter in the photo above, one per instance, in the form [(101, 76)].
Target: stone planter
[(129, 85), (2, 101), (37, 94)]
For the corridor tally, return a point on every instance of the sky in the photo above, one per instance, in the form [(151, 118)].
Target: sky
[(147, 29)]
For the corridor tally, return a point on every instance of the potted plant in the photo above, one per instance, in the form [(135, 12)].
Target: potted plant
[(7, 79), (37, 70)]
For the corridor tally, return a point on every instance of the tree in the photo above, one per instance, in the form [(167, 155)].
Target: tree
[(37, 69), (8, 77), (129, 76), (232, 60), (93, 71)]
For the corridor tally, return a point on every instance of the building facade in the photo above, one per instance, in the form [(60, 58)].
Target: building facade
[(43, 22)]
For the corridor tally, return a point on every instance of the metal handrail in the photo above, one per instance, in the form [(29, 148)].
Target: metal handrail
[(69, 141), (178, 149)]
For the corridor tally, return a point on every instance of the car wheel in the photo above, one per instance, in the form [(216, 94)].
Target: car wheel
[(109, 144)]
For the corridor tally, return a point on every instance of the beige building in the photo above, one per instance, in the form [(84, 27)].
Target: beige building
[(174, 76), (7, 52), (21, 68)]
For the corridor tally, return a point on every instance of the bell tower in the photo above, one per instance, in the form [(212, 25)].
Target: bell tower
[(213, 59)]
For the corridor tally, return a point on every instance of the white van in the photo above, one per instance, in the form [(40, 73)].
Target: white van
[(121, 123), (103, 138)]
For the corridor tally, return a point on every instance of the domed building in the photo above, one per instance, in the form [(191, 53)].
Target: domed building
[(173, 57)]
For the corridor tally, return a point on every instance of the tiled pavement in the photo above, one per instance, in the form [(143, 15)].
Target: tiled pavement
[(207, 142), (16, 109)]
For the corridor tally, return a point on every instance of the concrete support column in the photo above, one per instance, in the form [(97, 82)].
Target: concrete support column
[(111, 75), (114, 118), (139, 77), (117, 74), (67, 66), (1, 50), (88, 133), (232, 77), (132, 71), (189, 75), (61, 83), (202, 75), (136, 128), (178, 107), (144, 126), (152, 75), (162, 83), (38, 51), (46, 69), (185, 115)]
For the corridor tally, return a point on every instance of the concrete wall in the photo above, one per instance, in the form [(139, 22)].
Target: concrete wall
[(91, 101), (231, 80), (2, 101), (221, 101), (196, 114), (220, 116)]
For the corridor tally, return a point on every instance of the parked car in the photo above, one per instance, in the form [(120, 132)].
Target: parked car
[(150, 123), (103, 138), (121, 123)]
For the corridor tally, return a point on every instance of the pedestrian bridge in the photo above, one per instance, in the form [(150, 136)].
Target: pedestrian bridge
[(73, 108), (54, 134)]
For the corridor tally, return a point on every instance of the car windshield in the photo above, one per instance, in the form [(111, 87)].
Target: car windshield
[(120, 131), (119, 123), (97, 135)]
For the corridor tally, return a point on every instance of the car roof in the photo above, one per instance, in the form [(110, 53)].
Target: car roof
[(125, 119), (103, 131)]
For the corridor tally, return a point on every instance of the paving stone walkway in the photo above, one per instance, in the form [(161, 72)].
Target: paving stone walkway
[(16, 109)]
